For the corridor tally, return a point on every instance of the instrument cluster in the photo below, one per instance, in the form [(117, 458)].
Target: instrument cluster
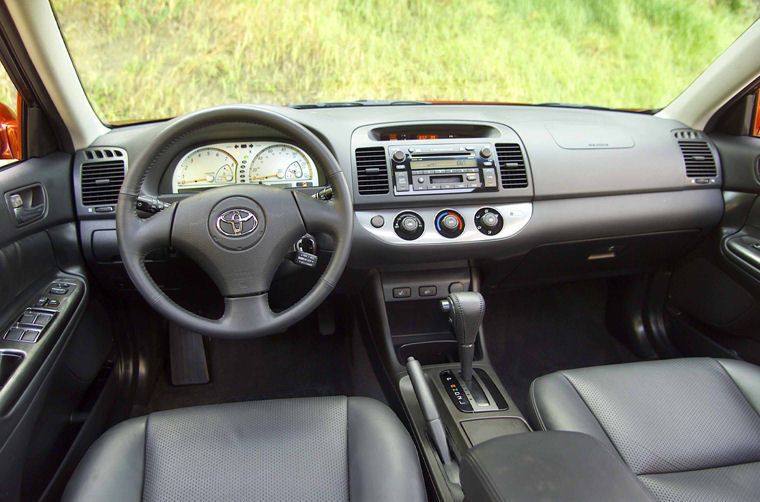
[(263, 162)]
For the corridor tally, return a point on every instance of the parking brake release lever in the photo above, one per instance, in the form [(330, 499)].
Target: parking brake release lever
[(432, 419), (465, 310)]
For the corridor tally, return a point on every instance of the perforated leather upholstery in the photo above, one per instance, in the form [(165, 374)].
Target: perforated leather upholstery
[(333, 448), (689, 428)]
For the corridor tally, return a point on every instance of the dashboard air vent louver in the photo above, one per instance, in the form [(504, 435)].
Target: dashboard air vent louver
[(372, 171), (699, 159), (102, 174), (687, 134), (511, 165)]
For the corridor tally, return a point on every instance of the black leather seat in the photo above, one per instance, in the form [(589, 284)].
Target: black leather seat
[(331, 448), (688, 428)]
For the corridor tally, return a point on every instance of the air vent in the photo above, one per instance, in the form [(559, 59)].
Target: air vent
[(102, 174), (687, 134), (511, 165), (371, 171), (699, 159)]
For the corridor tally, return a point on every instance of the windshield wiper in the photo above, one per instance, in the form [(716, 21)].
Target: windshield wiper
[(358, 102), (589, 107)]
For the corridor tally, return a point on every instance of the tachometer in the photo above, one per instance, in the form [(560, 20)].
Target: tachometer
[(280, 163), (203, 168)]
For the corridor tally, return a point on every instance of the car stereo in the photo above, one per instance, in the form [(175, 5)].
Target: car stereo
[(424, 169)]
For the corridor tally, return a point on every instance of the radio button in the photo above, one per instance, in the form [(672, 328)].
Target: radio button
[(472, 177), (399, 156), (485, 152), (402, 182), (460, 185), (489, 178)]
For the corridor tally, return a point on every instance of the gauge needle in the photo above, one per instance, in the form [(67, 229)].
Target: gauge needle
[(196, 180), (262, 177)]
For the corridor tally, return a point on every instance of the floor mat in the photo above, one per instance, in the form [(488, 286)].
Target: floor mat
[(533, 332), (298, 363)]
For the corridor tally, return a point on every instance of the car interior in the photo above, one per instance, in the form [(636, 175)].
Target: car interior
[(378, 300)]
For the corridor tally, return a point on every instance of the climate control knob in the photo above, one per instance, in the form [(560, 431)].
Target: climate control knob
[(489, 221), (449, 223), (408, 225)]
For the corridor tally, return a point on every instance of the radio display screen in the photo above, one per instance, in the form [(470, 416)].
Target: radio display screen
[(442, 163), (446, 179)]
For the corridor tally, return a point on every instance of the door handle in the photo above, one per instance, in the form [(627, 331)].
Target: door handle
[(27, 204)]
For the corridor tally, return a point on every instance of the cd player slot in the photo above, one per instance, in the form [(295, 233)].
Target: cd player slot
[(447, 179)]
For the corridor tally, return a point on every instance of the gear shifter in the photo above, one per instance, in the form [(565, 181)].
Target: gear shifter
[(465, 311)]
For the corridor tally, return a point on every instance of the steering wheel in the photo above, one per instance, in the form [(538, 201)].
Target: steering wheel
[(238, 234)]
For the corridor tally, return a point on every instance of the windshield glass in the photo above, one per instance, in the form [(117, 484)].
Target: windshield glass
[(147, 59)]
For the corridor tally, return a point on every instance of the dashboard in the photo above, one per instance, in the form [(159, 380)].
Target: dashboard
[(263, 162), (432, 184)]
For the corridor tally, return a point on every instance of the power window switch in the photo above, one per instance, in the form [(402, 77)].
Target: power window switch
[(402, 292), (27, 318), (41, 302), (14, 334), (30, 336), (43, 319), (53, 303)]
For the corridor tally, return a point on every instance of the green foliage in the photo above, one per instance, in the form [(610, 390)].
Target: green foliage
[(148, 59)]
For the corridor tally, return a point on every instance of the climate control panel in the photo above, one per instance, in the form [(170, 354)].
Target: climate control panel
[(445, 225)]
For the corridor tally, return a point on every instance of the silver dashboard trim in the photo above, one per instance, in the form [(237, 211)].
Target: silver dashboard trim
[(515, 216)]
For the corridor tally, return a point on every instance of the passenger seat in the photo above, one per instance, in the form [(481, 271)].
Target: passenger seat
[(688, 428)]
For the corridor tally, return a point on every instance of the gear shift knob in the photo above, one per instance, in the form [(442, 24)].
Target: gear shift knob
[(465, 310)]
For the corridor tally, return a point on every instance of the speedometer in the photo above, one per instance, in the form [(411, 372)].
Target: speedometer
[(280, 163), (204, 168)]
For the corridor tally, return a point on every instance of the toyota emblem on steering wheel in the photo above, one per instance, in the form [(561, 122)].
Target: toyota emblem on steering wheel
[(236, 222)]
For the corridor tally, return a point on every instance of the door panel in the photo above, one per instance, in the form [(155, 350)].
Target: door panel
[(715, 291), (44, 293)]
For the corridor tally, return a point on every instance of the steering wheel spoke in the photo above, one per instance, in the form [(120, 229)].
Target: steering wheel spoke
[(320, 216), (147, 234)]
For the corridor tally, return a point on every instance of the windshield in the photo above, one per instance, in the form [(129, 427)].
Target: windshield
[(146, 59)]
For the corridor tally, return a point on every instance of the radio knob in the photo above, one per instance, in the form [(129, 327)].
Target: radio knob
[(485, 152), (399, 156)]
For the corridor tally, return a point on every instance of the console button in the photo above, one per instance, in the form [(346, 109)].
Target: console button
[(428, 291), (53, 303), (58, 291), (41, 302), (402, 292), (456, 287), (377, 221)]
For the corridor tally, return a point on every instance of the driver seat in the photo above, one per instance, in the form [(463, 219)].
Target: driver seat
[(325, 448)]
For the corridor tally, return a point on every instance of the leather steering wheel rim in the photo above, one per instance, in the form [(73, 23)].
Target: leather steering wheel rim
[(280, 214)]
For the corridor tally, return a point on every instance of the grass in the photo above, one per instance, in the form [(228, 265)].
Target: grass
[(148, 59)]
